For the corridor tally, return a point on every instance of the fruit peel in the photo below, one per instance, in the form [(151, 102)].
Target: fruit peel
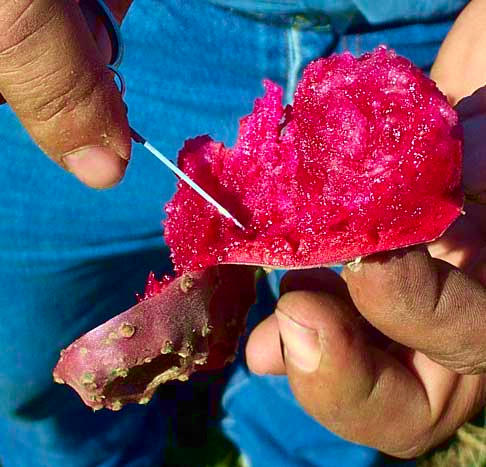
[(191, 324)]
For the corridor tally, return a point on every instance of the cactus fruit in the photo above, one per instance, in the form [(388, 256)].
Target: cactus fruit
[(127, 358), (367, 159)]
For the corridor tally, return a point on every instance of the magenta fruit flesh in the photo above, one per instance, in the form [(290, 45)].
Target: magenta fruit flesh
[(369, 158)]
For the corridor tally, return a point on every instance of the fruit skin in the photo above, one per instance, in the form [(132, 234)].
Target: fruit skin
[(192, 324), (368, 159)]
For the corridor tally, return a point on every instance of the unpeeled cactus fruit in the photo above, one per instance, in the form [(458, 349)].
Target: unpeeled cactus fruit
[(193, 323), (368, 159)]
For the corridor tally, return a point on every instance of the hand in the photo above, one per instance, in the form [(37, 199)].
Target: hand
[(392, 355), (55, 78)]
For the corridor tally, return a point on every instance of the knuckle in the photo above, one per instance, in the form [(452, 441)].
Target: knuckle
[(471, 367), (63, 94), (461, 347), (20, 21), (39, 83)]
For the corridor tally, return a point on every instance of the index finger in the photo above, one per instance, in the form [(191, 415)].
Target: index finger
[(423, 303)]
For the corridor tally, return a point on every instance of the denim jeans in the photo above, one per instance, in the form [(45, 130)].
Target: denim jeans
[(71, 257)]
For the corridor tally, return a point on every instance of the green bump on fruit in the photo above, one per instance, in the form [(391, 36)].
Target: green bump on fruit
[(206, 330), (168, 348), (91, 387), (59, 380), (126, 330), (187, 283), (116, 405), (119, 373), (87, 378)]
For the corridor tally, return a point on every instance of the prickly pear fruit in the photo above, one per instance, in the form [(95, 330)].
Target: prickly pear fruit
[(369, 158), (193, 323)]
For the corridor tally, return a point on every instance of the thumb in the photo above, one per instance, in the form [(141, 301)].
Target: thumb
[(323, 342), (312, 324), (55, 79), (347, 383)]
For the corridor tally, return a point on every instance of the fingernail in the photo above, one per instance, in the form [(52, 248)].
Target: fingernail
[(301, 344), (96, 166)]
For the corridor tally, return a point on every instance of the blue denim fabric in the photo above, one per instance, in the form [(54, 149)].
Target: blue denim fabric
[(71, 257), (289, 6), (374, 12)]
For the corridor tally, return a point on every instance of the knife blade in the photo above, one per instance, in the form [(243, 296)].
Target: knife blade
[(138, 138)]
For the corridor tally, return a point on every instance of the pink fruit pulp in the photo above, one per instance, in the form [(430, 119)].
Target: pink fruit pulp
[(154, 286), (368, 159)]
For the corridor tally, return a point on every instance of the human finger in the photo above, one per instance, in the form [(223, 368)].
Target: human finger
[(55, 79), (423, 303), (472, 112), (263, 349), (397, 401)]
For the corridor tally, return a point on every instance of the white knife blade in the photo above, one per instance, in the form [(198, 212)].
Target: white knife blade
[(138, 138)]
